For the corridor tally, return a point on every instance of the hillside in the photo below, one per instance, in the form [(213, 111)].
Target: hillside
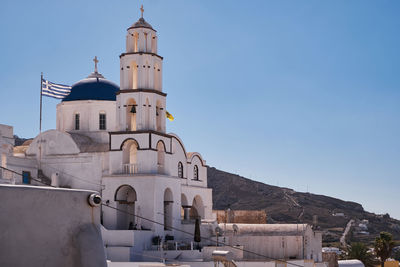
[(289, 206)]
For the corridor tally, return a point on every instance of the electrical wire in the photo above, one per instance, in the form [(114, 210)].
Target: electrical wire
[(20, 174), (202, 237), (74, 177), (162, 224)]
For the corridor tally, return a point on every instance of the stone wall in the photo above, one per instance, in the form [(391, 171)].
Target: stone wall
[(241, 216)]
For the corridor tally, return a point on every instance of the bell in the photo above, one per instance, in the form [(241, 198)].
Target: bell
[(133, 109)]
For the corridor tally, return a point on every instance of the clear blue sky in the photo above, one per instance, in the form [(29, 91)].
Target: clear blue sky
[(301, 94)]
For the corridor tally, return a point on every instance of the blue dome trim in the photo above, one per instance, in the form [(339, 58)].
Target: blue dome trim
[(93, 88)]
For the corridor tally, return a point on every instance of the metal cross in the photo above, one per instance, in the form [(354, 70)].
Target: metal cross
[(95, 63), (142, 10)]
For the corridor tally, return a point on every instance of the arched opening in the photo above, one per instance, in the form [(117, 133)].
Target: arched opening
[(154, 44), (133, 78), (135, 42), (129, 156), (125, 197), (185, 208), (159, 115), (180, 169), (160, 157), (147, 114), (131, 111), (157, 82), (168, 205), (145, 41), (197, 209), (195, 172)]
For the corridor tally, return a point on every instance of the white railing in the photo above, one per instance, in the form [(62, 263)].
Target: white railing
[(130, 168)]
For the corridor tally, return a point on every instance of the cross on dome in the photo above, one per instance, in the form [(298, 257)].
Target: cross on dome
[(95, 64), (142, 10)]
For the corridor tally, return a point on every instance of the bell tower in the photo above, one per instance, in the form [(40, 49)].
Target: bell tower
[(140, 101)]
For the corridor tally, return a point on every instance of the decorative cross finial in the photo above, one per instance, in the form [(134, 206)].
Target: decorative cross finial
[(95, 63), (142, 10)]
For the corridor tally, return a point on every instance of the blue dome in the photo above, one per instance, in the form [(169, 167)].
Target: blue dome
[(94, 87)]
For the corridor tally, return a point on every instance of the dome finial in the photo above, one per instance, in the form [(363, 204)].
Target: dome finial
[(142, 10), (95, 64)]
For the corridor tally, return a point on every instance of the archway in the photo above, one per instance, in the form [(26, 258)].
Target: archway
[(125, 197), (197, 209), (160, 157), (168, 205), (129, 156), (133, 78), (185, 208), (159, 116), (131, 111)]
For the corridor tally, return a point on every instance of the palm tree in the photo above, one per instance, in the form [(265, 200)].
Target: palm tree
[(360, 252), (384, 246)]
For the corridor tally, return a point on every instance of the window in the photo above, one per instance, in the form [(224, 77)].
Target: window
[(196, 172), (102, 121), (26, 177), (77, 119), (180, 170)]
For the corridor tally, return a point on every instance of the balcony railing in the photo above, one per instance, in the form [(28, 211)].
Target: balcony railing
[(130, 168)]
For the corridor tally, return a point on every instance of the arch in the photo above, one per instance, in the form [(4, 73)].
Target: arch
[(135, 42), (153, 44), (129, 156), (133, 77), (195, 172), (184, 207), (125, 198), (192, 155), (184, 201), (157, 80), (180, 143), (131, 111), (180, 169), (129, 139), (145, 41), (168, 209), (197, 209), (160, 156), (159, 116)]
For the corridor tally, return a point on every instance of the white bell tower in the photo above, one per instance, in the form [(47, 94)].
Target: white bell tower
[(140, 101)]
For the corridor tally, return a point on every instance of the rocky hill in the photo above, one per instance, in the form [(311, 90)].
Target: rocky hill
[(284, 205)]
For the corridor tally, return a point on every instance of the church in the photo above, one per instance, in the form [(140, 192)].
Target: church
[(112, 139)]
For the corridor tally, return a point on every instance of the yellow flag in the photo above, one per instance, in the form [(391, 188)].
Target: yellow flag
[(169, 116)]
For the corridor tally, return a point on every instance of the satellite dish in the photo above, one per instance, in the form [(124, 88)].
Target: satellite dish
[(219, 231)]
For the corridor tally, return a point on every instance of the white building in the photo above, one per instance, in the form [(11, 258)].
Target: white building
[(112, 139)]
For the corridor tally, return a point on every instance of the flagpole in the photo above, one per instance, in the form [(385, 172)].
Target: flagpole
[(40, 122)]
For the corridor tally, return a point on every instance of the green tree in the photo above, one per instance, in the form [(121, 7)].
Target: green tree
[(383, 246), (396, 255), (360, 252)]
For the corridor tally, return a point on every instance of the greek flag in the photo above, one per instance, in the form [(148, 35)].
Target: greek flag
[(55, 90)]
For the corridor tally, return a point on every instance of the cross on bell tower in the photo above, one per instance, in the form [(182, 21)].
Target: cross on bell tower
[(95, 64), (142, 10)]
